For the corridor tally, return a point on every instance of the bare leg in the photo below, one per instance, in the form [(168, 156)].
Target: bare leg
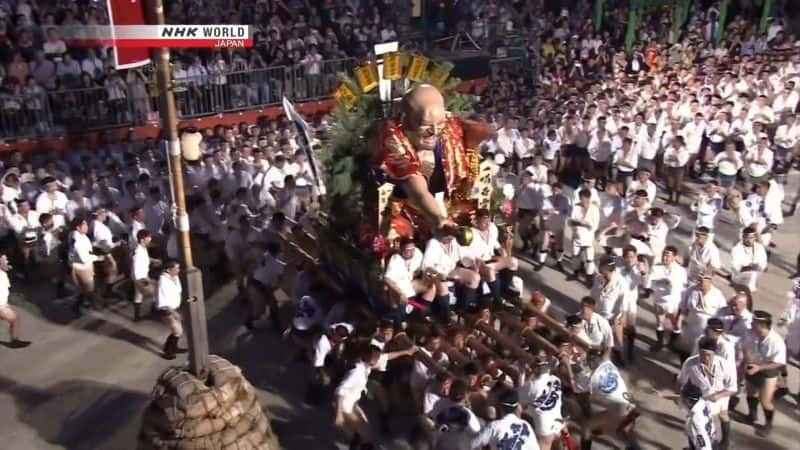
[(546, 442), (13, 329), (9, 315)]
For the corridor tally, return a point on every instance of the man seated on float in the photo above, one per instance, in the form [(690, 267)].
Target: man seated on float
[(442, 257), (409, 287), (490, 258)]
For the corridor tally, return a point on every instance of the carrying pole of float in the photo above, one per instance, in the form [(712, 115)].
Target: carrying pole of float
[(194, 305)]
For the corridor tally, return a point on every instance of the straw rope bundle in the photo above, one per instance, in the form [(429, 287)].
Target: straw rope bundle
[(223, 413)]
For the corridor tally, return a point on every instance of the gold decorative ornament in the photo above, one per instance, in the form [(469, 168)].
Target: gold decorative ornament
[(418, 67), (346, 95), (465, 236), (367, 76), (439, 73), (393, 66)]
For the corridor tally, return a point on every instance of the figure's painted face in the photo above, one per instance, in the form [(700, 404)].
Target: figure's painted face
[(424, 117)]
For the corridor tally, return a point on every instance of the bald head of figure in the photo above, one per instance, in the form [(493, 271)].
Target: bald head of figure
[(423, 115)]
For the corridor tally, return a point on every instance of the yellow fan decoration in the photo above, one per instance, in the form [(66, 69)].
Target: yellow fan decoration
[(393, 66), (416, 71), (397, 67), (346, 95), (367, 76), (440, 73)]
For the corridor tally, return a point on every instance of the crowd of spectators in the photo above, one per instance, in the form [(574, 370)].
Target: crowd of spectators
[(297, 36), (308, 41)]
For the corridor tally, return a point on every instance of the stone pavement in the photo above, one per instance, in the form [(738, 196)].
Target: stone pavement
[(83, 383)]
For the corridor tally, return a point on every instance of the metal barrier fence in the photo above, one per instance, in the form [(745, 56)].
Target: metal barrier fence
[(511, 65), (56, 113), (232, 91)]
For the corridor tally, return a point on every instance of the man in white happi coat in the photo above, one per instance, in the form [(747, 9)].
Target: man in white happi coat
[(51, 200), (766, 207), (727, 348), (442, 257), (642, 182), (555, 212), (703, 254), (456, 424), (168, 302), (541, 395), (597, 330), (669, 283), (609, 393), (716, 379), (791, 319), (737, 317), (659, 224), (649, 235), (764, 359), (700, 303), (748, 259), (609, 290), (405, 278), (707, 205), (632, 269), (758, 160), (584, 220), (7, 313), (491, 260), (24, 222), (509, 431), (528, 198), (588, 183), (699, 426), (349, 416)]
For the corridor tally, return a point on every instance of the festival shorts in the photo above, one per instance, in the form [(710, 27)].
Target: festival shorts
[(761, 377)]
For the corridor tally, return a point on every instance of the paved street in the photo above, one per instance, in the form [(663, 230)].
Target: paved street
[(83, 383)]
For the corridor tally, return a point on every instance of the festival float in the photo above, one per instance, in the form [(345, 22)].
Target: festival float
[(401, 160)]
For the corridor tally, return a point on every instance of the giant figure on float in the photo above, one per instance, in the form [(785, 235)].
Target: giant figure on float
[(432, 158)]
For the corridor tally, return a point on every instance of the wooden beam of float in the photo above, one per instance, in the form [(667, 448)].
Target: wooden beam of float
[(559, 328), (528, 334), (405, 342), (455, 354), (475, 343), (505, 342)]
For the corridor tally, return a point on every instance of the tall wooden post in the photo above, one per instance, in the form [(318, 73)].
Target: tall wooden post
[(197, 332)]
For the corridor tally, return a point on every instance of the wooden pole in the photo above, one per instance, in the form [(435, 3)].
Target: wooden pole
[(197, 332)]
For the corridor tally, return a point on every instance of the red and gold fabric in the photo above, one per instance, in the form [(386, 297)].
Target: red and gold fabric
[(399, 159)]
